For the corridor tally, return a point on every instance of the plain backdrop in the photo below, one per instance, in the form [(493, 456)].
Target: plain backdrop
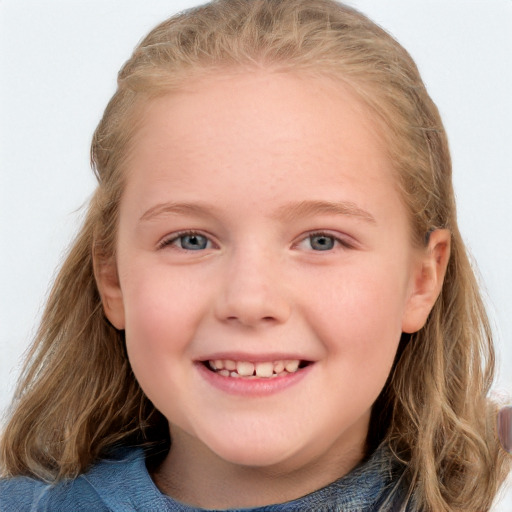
[(58, 64)]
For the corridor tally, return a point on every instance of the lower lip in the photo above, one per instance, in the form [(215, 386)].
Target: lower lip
[(252, 387)]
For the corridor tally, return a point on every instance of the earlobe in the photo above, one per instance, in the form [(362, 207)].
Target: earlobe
[(107, 281), (427, 281)]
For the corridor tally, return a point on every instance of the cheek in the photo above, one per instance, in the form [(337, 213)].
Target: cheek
[(361, 332), (156, 294), (162, 312), (161, 318), (362, 302), (359, 321)]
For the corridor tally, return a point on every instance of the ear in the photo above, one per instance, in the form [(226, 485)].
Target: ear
[(107, 281), (427, 280)]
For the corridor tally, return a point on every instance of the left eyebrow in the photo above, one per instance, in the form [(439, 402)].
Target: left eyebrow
[(310, 208)]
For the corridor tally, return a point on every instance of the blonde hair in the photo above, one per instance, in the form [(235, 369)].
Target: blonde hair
[(78, 396)]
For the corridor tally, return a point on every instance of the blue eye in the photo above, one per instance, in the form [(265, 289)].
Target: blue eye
[(322, 242), (192, 242), (187, 241)]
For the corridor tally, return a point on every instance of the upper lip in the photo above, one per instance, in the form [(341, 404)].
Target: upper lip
[(254, 358)]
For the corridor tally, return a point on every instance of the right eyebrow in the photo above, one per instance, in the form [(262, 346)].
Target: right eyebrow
[(171, 208)]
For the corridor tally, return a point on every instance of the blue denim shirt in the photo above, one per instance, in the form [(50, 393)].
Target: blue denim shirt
[(124, 485)]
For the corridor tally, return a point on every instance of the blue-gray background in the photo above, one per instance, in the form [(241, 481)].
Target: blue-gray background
[(58, 62)]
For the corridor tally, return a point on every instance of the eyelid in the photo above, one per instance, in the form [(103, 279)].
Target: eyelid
[(346, 242), (169, 239)]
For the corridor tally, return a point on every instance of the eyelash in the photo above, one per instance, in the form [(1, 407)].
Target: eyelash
[(344, 244), (167, 242)]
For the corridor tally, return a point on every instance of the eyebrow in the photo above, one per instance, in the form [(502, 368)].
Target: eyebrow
[(286, 212), (176, 209), (311, 208)]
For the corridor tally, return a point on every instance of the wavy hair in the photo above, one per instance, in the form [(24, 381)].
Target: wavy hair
[(78, 397)]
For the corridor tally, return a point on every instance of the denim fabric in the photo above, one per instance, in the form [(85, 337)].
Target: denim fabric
[(124, 485)]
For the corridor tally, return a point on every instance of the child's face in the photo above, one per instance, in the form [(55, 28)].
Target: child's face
[(261, 226)]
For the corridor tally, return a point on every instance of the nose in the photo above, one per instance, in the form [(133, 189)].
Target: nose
[(252, 293)]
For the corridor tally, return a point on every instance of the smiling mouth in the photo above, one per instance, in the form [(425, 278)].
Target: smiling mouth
[(259, 370)]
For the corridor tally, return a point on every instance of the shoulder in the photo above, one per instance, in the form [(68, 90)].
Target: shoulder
[(118, 484), (22, 494)]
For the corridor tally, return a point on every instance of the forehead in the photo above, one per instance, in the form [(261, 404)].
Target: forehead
[(258, 131), (276, 114)]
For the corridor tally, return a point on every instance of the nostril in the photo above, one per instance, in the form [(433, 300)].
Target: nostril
[(250, 305)]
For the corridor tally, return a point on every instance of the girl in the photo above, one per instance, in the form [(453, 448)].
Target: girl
[(269, 305)]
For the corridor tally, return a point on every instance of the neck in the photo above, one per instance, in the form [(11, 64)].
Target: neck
[(193, 474)]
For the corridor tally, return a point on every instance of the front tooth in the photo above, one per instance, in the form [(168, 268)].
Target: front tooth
[(264, 369), (244, 368), (278, 366), (229, 365), (292, 366)]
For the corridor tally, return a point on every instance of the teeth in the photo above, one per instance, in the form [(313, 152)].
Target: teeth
[(229, 365), (292, 366), (244, 368), (278, 366), (266, 369)]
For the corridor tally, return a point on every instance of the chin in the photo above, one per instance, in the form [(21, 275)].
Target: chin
[(252, 453)]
